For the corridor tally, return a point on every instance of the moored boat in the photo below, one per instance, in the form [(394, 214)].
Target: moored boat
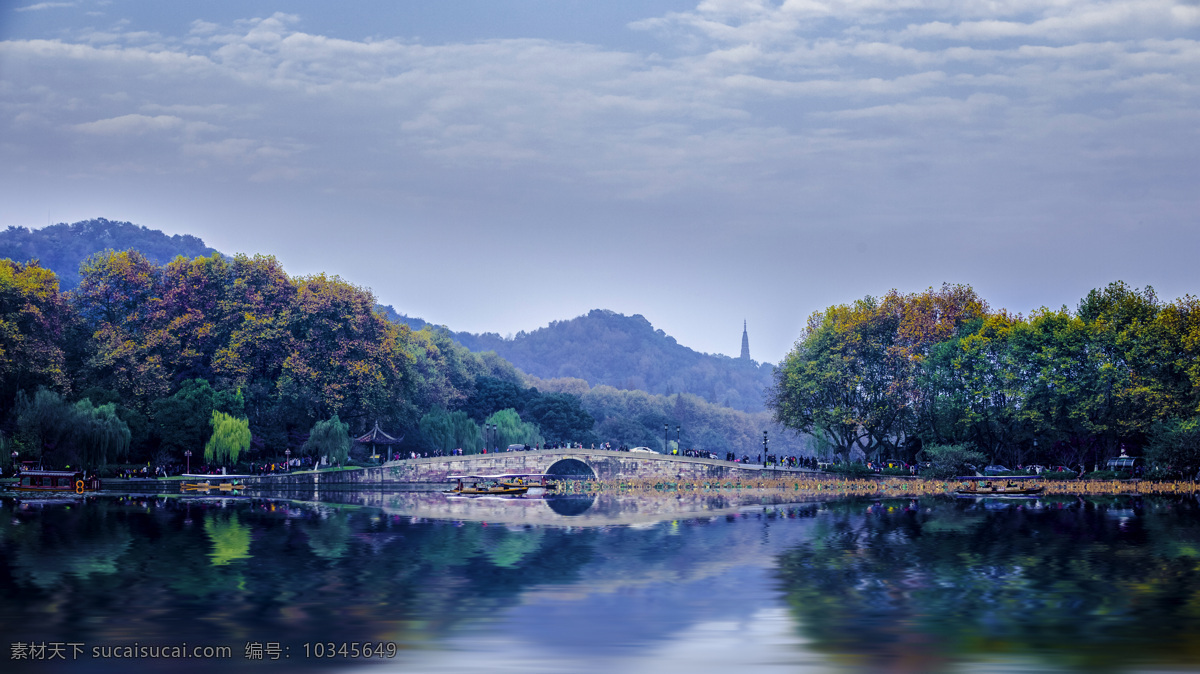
[(37, 479), (1018, 485), (508, 484), (212, 482)]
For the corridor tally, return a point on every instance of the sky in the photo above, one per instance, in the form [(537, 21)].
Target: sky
[(494, 165)]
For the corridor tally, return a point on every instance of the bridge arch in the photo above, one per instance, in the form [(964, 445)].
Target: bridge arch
[(571, 468)]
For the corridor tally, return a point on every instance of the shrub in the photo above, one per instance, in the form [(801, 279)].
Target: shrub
[(849, 469)]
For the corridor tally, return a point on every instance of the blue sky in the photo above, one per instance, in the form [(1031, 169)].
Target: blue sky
[(495, 165)]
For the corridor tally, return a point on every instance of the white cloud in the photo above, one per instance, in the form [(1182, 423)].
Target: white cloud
[(43, 5), (762, 84), (131, 124)]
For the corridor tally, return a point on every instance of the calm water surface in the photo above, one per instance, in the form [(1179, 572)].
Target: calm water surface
[(660, 583)]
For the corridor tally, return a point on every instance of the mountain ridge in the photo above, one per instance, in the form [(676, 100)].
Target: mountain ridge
[(602, 347)]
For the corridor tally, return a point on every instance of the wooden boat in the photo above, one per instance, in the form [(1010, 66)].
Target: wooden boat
[(208, 486), (224, 483), (37, 479), (1019, 485), (508, 484)]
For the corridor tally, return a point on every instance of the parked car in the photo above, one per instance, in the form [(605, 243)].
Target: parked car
[(1035, 469), (643, 450), (995, 470)]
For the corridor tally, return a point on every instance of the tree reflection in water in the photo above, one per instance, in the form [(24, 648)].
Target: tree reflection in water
[(1089, 585), (898, 586)]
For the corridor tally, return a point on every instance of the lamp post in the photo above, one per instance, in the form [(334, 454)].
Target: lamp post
[(666, 442), (679, 439), (187, 453), (287, 453), (764, 448)]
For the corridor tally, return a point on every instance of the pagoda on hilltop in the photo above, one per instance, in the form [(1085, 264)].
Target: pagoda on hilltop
[(745, 342)]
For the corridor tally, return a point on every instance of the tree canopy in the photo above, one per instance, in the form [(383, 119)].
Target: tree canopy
[(881, 378)]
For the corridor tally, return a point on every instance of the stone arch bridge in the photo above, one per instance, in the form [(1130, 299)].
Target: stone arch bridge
[(584, 463), (588, 463)]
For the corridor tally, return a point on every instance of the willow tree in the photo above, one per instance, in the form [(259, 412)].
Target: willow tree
[(329, 438), (512, 431), (99, 434), (231, 437)]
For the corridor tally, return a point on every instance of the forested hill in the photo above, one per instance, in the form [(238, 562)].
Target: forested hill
[(62, 247), (626, 352), (602, 347)]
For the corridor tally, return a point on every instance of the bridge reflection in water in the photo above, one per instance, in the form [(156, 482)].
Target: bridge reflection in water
[(575, 510)]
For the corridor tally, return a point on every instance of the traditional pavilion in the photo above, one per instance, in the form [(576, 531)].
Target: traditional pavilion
[(378, 438)]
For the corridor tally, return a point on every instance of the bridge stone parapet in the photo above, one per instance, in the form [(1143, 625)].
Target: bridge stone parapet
[(603, 464)]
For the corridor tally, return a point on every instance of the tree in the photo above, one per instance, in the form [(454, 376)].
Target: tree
[(951, 461), (184, 420), (442, 430), (513, 431), (62, 433), (1175, 446), (230, 437), (561, 418), (99, 433), (329, 438), (34, 321), (842, 380)]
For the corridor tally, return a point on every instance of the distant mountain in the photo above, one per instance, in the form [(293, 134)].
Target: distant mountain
[(63, 247), (625, 352), (603, 348)]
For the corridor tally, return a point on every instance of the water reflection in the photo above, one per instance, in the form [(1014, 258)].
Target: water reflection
[(230, 539), (571, 505), (1087, 585), (617, 583)]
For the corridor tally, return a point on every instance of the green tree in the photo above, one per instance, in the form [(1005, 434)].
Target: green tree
[(184, 420), (842, 380), (61, 433), (1175, 447), (512, 431), (230, 437), (951, 460), (99, 434), (561, 418), (442, 430), (329, 438)]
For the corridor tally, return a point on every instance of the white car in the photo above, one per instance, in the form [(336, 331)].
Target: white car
[(643, 450)]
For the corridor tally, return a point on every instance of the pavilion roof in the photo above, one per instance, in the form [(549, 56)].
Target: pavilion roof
[(378, 437)]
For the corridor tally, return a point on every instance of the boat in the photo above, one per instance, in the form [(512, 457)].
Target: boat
[(208, 486), (508, 484), (212, 482), (1019, 485), (38, 479)]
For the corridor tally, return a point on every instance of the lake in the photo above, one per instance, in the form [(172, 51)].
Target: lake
[(661, 582)]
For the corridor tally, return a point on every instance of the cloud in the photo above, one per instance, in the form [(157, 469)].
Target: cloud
[(774, 89), (43, 5), (136, 124)]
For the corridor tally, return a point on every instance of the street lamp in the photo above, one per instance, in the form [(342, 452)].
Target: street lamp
[(188, 454), (764, 448), (679, 439), (288, 454), (666, 442)]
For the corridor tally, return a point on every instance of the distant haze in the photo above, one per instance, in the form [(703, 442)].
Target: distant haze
[(495, 165)]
